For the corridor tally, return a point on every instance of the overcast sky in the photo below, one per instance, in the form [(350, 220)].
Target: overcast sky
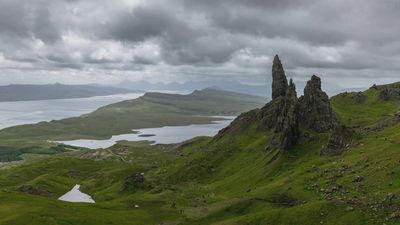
[(350, 43)]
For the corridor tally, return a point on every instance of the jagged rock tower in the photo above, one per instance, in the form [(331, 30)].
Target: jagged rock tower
[(280, 115), (285, 115), (286, 132), (315, 111), (279, 81)]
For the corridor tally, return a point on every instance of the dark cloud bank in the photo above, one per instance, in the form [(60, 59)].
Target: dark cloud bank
[(349, 43)]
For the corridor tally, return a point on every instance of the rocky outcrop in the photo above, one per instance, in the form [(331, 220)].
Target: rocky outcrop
[(360, 97), (315, 111), (34, 190), (285, 114), (281, 114), (342, 138), (134, 182), (286, 131), (389, 91), (279, 81)]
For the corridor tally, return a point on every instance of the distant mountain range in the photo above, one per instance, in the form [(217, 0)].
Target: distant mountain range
[(259, 90), (30, 92), (19, 92)]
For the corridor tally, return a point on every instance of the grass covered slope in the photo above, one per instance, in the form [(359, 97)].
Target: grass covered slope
[(29, 192), (230, 179), (151, 110), (365, 108)]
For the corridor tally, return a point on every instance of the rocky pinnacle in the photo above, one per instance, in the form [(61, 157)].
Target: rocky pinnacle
[(315, 108), (279, 81), (287, 129)]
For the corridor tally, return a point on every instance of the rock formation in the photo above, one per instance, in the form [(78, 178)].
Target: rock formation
[(280, 115), (315, 110), (360, 97), (286, 132), (279, 81), (285, 114), (388, 91), (342, 137)]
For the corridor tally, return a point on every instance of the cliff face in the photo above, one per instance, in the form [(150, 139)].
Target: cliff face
[(286, 132), (315, 110)]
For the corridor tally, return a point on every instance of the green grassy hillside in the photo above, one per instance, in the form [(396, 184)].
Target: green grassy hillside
[(230, 179), (364, 108)]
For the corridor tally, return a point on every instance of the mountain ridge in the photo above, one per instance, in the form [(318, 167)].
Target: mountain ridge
[(30, 92)]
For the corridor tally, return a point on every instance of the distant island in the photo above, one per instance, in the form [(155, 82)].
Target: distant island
[(30, 92)]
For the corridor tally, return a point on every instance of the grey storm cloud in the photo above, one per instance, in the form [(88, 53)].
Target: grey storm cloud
[(346, 41)]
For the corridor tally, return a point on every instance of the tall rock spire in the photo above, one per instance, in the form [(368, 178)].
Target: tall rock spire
[(279, 81), (286, 131)]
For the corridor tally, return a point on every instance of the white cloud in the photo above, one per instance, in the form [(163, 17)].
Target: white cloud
[(86, 41)]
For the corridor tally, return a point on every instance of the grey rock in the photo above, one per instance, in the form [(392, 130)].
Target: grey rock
[(315, 111), (342, 137), (281, 114), (279, 81), (360, 97), (286, 132), (389, 91)]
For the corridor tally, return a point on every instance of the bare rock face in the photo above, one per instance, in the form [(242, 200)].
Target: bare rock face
[(342, 138), (315, 111), (286, 132), (279, 81), (281, 114)]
